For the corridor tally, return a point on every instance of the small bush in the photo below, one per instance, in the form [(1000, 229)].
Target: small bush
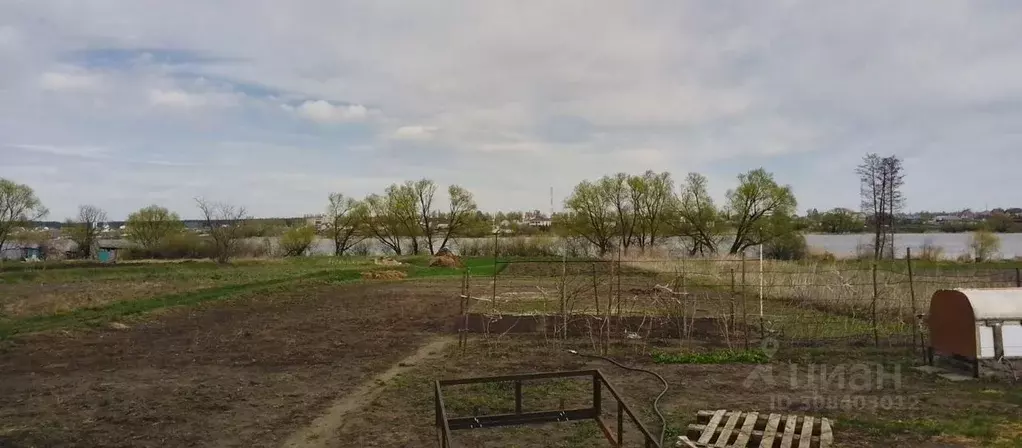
[(789, 246), (822, 256), (984, 245), (297, 241), (175, 247), (535, 246), (717, 357), (930, 252), (253, 248), (475, 247), (361, 249)]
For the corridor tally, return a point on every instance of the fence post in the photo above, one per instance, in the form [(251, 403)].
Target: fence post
[(619, 284), (912, 292), (564, 296), (876, 332), (496, 234), (596, 300), (732, 299), (1018, 278), (745, 312)]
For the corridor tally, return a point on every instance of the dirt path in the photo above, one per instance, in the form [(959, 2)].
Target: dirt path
[(322, 430)]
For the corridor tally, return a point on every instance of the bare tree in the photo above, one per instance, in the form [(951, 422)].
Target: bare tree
[(18, 207), (880, 182), (84, 230), (463, 207), (344, 217), (223, 222)]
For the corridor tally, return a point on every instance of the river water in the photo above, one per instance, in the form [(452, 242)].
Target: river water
[(842, 246), (954, 244)]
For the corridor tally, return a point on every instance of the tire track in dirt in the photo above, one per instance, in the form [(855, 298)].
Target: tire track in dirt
[(322, 430)]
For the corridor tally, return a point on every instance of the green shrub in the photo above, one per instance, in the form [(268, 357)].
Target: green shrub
[(788, 246), (930, 252), (175, 247), (362, 249), (517, 246), (984, 245), (716, 357), (822, 256), (297, 241), (253, 248)]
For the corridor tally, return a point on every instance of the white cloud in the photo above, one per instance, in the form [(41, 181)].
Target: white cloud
[(176, 98), (718, 87), (181, 99), (57, 81), (322, 111), (86, 151), (417, 132)]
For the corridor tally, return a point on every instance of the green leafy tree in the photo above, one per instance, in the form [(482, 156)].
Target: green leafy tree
[(698, 219), (296, 241), (84, 230), (393, 216), (759, 210), (984, 244), (344, 218), (152, 226), (653, 199), (617, 193), (424, 191), (840, 220), (590, 216), (18, 207), (1000, 222)]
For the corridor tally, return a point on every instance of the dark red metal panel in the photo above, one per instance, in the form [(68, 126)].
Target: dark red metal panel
[(952, 324)]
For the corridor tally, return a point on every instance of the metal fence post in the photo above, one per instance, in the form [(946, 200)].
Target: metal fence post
[(876, 295), (912, 292), (745, 313)]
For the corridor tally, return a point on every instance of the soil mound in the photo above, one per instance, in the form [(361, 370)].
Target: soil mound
[(446, 259), (386, 261), (383, 275)]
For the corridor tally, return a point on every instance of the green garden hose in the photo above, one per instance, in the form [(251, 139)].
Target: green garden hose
[(656, 401)]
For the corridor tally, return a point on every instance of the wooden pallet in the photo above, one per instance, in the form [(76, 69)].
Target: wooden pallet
[(723, 428)]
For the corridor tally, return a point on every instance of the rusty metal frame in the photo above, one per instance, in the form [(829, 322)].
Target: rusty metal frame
[(446, 425)]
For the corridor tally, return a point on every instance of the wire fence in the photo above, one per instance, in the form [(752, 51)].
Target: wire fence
[(734, 302)]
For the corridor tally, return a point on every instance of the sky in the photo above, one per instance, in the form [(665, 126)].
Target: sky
[(272, 105)]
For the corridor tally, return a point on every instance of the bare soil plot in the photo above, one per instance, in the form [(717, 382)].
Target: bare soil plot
[(35, 291), (246, 372), (923, 411)]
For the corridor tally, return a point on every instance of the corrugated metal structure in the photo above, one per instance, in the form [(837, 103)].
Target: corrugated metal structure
[(976, 325)]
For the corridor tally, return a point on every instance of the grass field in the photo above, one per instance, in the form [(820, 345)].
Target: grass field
[(253, 353)]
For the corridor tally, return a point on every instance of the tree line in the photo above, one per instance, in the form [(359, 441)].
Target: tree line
[(626, 212), (619, 211)]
